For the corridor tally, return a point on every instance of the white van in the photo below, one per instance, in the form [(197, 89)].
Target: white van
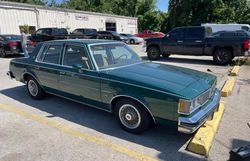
[(227, 27)]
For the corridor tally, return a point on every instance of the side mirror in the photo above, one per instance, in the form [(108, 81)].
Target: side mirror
[(77, 66)]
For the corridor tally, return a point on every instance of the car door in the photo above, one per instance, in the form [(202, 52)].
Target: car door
[(173, 43), (194, 41), (78, 79), (47, 66)]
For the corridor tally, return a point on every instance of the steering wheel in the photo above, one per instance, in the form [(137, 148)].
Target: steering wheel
[(123, 55)]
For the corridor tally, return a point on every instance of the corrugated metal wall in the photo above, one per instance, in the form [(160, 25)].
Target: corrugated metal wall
[(11, 19), (14, 15)]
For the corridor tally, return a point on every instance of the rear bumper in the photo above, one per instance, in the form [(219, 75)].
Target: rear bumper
[(191, 124)]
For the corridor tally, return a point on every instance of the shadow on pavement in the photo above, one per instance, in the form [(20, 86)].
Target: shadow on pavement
[(165, 140)]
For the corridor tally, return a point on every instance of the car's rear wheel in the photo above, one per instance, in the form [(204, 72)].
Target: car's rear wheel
[(2, 53), (132, 116), (222, 57), (132, 41), (34, 89), (153, 53)]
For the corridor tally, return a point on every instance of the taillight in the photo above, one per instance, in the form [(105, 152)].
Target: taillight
[(246, 44), (31, 43), (11, 44)]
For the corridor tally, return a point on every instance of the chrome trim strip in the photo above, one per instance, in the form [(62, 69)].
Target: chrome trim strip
[(137, 101), (79, 102), (200, 117), (113, 68)]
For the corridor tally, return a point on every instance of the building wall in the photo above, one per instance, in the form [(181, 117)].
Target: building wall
[(13, 15)]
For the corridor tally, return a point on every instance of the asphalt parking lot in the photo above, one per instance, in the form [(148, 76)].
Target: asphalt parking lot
[(58, 129)]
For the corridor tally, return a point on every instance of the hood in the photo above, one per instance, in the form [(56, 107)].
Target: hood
[(183, 82)]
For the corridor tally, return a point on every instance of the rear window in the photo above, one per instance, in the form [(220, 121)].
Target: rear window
[(90, 31)]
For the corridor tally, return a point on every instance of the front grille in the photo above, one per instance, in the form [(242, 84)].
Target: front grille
[(202, 99)]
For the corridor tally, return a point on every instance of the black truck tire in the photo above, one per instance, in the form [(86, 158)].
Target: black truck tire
[(153, 53), (2, 52), (222, 57)]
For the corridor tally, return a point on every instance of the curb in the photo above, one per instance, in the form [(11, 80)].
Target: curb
[(228, 87), (202, 140), (235, 71)]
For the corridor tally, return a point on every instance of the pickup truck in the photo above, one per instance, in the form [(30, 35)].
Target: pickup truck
[(198, 41), (149, 34), (46, 34)]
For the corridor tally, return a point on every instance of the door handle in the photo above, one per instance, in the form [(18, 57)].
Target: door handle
[(37, 68), (180, 41), (62, 73), (198, 41)]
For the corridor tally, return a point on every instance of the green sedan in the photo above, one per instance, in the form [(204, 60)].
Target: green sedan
[(108, 75)]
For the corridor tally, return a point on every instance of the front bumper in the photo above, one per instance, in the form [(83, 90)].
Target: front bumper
[(190, 124)]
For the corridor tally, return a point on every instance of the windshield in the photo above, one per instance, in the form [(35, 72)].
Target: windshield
[(129, 35), (114, 33), (12, 37), (113, 55)]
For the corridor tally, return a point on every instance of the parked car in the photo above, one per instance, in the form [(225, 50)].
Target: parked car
[(11, 44), (110, 76), (112, 35), (86, 33), (133, 39), (227, 27), (47, 34), (149, 34), (194, 40)]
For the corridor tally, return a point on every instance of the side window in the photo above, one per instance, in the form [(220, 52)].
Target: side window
[(47, 31), (39, 32), (194, 33), (52, 54), (76, 55), (41, 56), (177, 34)]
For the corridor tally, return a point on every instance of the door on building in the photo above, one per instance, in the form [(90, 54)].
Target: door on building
[(110, 26)]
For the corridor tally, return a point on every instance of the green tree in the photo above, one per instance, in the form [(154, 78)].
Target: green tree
[(195, 12)]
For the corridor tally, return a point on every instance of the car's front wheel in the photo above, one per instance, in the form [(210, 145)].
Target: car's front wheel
[(2, 53), (34, 89), (132, 41), (153, 53), (132, 116)]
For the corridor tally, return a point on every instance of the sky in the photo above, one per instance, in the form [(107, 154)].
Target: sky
[(162, 5)]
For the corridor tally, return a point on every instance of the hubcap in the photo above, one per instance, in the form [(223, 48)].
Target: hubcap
[(33, 89), (222, 56), (153, 53), (129, 116)]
